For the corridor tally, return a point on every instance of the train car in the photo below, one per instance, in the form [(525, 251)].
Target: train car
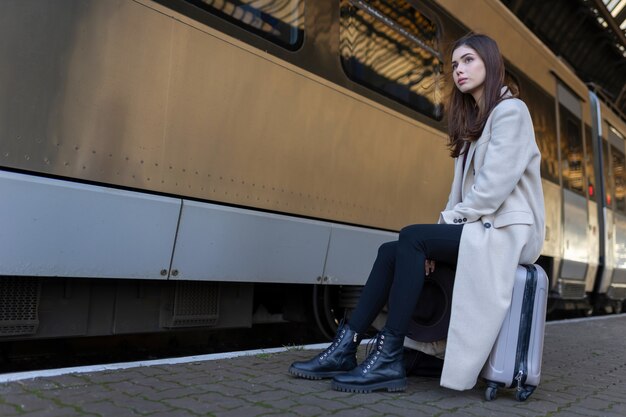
[(178, 164)]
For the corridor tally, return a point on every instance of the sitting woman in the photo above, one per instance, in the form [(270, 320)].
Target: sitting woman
[(493, 221)]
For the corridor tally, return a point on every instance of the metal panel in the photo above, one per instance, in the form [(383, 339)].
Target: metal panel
[(573, 270), (575, 233), (554, 233), (219, 243), (620, 241), (609, 262), (58, 228), (351, 253)]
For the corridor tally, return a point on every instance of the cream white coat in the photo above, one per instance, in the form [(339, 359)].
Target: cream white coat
[(498, 198)]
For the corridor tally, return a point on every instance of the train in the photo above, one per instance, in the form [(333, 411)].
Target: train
[(171, 165)]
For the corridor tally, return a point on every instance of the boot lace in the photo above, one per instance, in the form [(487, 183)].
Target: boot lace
[(373, 350), (330, 349)]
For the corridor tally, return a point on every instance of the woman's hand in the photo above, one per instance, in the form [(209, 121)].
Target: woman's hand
[(429, 266)]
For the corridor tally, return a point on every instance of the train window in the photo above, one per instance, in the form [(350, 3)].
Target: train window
[(572, 167), (280, 21), (393, 48), (541, 107), (589, 163), (619, 179)]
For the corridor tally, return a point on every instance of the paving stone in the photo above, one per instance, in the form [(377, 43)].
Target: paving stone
[(76, 397), (140, 405), (14, 388), (35, 384), (402, 407), (197, 405), (284, 404), (224, 402), (456, 401), (325, 404), (477, 410), (173, 393), (9, 410), (247, 410), (274, 395), (28, 402), (106, 408), (60, 412), (106, 377), (505, 407), (358, 412), (127, 387), (594, 413), (150, 371), (592, 403), (539, 406), (157, 385), (68, 381), (175, 413), (302, 387)]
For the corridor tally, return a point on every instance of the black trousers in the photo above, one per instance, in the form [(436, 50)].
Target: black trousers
[(398, 274)]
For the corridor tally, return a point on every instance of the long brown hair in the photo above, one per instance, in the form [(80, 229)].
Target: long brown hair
[(466, 119)]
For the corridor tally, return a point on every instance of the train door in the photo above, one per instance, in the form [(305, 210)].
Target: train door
[(573, 270), (617, 288), (606, 219), (593, 230)]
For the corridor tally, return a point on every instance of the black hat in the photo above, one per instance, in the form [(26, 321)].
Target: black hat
[(431, 317)]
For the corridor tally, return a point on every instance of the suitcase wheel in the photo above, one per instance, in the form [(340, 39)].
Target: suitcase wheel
[(523, 393), (491, 392)]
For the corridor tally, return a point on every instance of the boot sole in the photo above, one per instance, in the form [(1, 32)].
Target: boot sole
[(313, 375), (397, 385)]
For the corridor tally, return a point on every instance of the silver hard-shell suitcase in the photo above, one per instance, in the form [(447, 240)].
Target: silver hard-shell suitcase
[(515, 360)]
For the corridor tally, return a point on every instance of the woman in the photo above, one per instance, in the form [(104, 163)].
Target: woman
[(493, 221)]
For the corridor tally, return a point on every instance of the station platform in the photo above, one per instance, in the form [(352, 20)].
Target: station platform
[(584, 374)]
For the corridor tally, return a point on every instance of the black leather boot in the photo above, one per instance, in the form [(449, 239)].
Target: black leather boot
[(383, 368), (339, 357)]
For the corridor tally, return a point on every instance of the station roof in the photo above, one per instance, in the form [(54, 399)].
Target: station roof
[(590, 35)]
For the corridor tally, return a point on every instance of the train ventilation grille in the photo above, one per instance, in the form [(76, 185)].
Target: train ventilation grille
[(19, 305), (193, 304), (572, 291)]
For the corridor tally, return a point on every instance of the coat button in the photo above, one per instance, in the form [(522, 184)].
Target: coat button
[(464, 219), (455, 221), (487, 225)]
